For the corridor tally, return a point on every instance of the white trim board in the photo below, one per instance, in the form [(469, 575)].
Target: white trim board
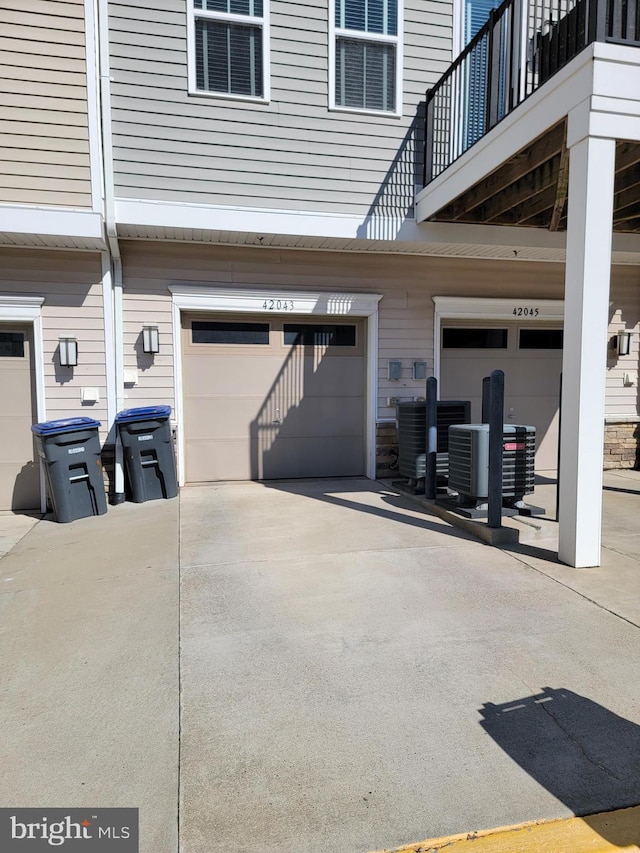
[(316, 303), (28, 309), (54, 221), (469, 308)]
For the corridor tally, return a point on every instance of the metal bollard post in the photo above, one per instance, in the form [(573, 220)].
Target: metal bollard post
[(486, 394), (431, 444), (496, 430)]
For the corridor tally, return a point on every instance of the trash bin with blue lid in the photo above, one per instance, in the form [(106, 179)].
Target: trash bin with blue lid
[(149, 459), (70, 451)]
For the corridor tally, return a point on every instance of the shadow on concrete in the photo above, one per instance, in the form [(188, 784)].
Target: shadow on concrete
[(546, 554), (621, 491), (582, 753), (542, 480), (25, 498), (394, 501)]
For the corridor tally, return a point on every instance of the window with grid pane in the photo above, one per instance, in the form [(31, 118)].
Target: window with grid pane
[(229, 47), (366, 54)]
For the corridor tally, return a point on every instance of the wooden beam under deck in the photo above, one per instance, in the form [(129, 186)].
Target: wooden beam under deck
[(531, 188)]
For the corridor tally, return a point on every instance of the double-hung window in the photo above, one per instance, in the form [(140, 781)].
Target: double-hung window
[(229, 48), (366, 55)]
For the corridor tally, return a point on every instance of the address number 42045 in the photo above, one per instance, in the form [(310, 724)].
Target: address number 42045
[(526, 312)]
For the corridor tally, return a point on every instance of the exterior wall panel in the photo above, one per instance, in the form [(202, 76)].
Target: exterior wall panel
[(43, 104), (71, 284), (406, 315), (292, 153)]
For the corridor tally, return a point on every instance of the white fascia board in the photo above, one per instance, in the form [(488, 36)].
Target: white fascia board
[(544, 108), (162, 214), (617, 126), (51, 221), (152, 214)]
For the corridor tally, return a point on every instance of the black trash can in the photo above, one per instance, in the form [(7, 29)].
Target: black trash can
[(149, 460), (70, 450)]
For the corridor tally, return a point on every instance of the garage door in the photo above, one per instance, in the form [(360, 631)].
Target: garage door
[(273, 397), (531, 358), (19, 474)]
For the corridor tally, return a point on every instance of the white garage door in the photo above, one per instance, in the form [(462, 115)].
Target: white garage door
[(273, 397), (19, 474), (531, 358)]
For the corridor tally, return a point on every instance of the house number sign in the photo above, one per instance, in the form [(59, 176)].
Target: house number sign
[(520, 311), (277, 305)]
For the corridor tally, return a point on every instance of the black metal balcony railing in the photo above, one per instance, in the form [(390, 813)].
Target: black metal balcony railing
[(522, 44)]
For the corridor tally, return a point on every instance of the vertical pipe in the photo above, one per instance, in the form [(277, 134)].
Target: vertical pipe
[(431, 438), (496, 430)]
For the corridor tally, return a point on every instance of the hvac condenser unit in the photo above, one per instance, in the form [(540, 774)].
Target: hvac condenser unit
[(412, 436), (469, 462)]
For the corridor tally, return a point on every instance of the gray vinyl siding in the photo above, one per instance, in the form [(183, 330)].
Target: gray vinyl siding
[(44, 138), (292, 153), (406, 311), (71, 284)]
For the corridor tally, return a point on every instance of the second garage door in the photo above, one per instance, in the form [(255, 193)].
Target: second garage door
[(531, 358), (19, 473), (273, 397)]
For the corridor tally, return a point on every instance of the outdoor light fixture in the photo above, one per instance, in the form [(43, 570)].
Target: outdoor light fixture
[(623, 343), (150, 339), (68, 352)]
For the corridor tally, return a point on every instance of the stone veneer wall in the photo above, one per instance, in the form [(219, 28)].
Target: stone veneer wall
[(621, 447), (386, 450)]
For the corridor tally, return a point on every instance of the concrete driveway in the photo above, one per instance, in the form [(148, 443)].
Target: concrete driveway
[(351, 673), (349, 666)]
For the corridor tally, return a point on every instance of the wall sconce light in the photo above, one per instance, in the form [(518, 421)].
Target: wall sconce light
[(150, 339), (68, 348), (622, 343)]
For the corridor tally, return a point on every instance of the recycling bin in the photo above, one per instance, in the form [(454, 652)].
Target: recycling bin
[(149, 460), (70, 451)]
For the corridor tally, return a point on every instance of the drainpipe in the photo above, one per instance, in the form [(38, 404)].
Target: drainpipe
[(112, 237)]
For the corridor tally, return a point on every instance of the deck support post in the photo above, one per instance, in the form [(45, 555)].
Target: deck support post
[(586, 320)]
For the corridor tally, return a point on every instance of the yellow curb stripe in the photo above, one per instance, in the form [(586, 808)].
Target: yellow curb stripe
[(618, 832)]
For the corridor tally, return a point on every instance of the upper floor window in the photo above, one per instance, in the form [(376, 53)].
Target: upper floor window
[(229, 48), (366, 55), (475, 16)]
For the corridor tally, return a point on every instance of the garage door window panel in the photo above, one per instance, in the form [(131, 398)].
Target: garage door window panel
[(479, 338), (307, 334), (204, 332), (540, 339), (11, 345)]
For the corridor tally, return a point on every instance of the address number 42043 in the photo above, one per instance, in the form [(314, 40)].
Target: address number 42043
[(277, 305), (526, 312)]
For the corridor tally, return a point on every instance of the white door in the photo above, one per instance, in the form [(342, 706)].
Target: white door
[(19, 473), (273, 397), (531, 358)]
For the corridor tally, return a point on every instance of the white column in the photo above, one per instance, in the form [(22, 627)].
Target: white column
[(586, 319)]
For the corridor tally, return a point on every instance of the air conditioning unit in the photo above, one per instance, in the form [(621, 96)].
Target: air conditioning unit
[(469, 463), (412, 436)]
